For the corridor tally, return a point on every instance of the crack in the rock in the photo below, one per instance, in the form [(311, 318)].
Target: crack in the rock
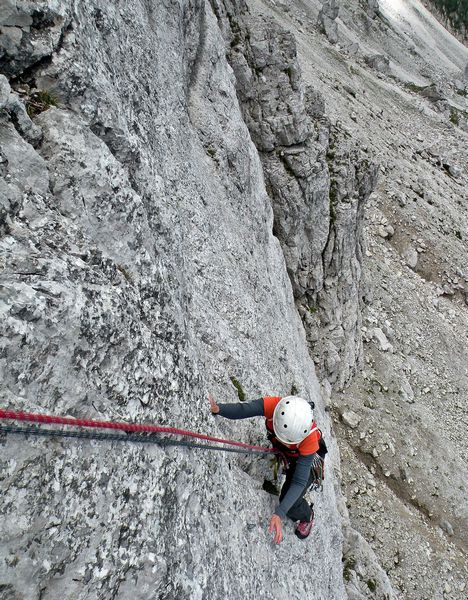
[(200, 49)]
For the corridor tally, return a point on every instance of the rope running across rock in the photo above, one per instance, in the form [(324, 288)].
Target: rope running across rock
[(134, 433)]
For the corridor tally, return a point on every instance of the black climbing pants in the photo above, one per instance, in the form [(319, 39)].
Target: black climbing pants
[(301, 510)]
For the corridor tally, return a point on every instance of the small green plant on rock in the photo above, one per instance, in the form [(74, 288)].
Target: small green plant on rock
[(240, 390), (454, 118), (40, 101), (371, 585)]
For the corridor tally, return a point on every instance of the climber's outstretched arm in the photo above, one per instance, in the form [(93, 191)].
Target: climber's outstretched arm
[(239, 410)]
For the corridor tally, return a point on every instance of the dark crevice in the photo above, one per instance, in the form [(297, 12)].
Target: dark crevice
[(14, 120), (302, 146), (28, 75), (42, 19), (200, 48)]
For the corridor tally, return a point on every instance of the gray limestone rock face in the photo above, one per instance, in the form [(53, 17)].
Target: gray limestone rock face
[(139, 272), (295, 169), (10, 104), (269, 86), (30, 32), (353, 177), (318, 186)]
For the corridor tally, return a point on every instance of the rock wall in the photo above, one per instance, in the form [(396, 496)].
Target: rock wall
[(318, 182), (138, 272)]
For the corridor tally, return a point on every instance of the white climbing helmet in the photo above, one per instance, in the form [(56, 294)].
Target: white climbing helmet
[(292, 419)]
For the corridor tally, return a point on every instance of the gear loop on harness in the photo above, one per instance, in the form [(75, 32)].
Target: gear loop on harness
[(317, 483)]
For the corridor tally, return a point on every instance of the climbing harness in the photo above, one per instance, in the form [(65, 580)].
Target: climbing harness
[(131, 432)]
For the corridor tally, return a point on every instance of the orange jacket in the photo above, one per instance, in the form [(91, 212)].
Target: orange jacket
[(309, 445)]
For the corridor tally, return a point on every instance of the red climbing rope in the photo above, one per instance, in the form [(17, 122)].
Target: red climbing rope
[(133, 427)]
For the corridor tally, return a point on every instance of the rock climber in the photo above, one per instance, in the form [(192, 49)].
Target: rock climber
[(292, 430)]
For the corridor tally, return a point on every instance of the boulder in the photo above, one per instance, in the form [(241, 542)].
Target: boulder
[(327, 20), (381, 339), (379, 62)]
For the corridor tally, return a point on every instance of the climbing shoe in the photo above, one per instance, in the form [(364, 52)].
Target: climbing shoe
[(303, 528)]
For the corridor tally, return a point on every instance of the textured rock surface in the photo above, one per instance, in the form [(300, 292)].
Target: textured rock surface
[(318, 184), (11, 105), (139, 272), (30, 33)]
